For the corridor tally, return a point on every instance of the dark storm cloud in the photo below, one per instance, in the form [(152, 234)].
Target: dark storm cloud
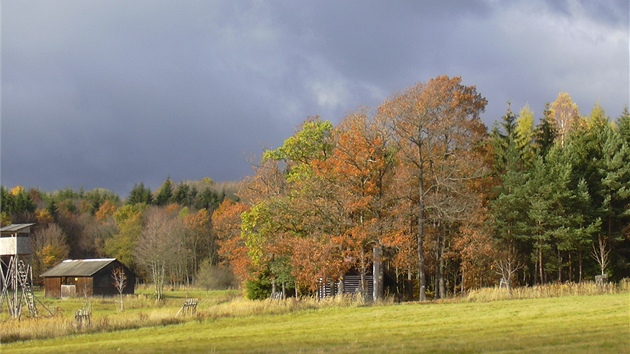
[(112, 93)]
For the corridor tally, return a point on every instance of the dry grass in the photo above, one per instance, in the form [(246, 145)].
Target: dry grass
[(143, 311), (549, 290), (62, 325), (571, 324), (241, 307)]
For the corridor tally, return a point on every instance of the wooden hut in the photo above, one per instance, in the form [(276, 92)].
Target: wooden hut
[(85, 277)]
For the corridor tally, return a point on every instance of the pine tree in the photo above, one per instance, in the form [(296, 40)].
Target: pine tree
[(140, 195), (624, 125), (545, 133), (165, 193)]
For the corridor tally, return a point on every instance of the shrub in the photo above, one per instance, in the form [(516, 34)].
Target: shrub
[(211, 277), (258, 289)]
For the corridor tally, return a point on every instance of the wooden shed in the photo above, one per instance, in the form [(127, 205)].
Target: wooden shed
[(85, 277)]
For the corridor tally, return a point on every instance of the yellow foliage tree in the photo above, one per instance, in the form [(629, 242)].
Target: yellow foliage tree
[(51, 255), (43, 217), (106, 210), (17, 190)]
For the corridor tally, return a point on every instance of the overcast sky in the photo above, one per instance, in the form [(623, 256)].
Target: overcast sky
[(112, 93)]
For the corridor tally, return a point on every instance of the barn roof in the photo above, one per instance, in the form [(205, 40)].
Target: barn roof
[(14, 227), (78, 267)]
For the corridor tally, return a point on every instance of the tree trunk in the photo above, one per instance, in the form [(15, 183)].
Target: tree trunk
[(362, 289), (535, 272), (441, 280), (363, 283), (462, 284), (580, 266), (409, 284), (437, 270), (559, 267), (421, 220), (570, 267), (440, 288), (540, 263), (340, 290), (377, 273)]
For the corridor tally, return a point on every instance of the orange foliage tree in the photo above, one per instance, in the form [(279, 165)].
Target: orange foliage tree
[(400, 184), (359, 170), (232, 252), (435, 126)]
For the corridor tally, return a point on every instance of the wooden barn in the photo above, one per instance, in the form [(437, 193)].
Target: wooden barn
[(85, 277)]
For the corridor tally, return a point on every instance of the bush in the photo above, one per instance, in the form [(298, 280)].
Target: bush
[(211, 277), (258, 289)]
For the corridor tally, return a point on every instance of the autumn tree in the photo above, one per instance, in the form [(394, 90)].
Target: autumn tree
[(199, 240), (43, 217), (359, 171), (49, 246), (158, 247), (129, 222), (433, 123), (232, 252), (565, 114), (283, 194), (480, 255)]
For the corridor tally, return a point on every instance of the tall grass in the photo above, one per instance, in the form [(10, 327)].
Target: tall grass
[(143, 311), (241, 307), (548, 290), (573, 324)]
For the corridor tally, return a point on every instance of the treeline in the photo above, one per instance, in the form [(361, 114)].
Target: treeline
[(164, 236), (417, 192), (421, 194)]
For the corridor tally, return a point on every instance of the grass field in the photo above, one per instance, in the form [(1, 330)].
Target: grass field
[(567, 324)]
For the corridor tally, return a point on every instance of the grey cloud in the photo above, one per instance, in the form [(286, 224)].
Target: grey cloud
[(112, 93)]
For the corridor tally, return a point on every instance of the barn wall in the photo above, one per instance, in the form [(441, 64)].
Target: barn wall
[(52, 287), (131, 283), (84, 286), (104, 283)]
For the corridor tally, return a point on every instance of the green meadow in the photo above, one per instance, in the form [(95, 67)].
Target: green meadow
[(227, 323)]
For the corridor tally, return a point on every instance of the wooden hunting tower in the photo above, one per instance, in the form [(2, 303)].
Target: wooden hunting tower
[(15, 269)]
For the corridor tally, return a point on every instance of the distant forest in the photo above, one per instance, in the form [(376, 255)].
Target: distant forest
[(417, 193)]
